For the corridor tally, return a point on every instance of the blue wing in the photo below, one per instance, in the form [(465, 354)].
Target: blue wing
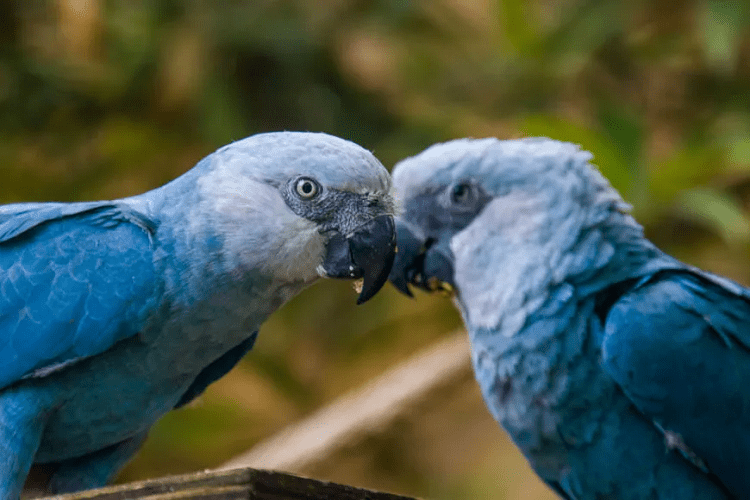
[(74, 279), (679, 346)]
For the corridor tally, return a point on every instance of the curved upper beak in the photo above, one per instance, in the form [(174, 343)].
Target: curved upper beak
[(367, 253), (421, 262)]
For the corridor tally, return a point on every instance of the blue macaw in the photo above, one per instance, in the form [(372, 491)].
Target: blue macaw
[(619, 371), (112, 313)]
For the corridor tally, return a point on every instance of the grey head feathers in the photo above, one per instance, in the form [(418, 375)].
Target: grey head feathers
[(545, 218), (243, 199), (532, 164), (277, 156)]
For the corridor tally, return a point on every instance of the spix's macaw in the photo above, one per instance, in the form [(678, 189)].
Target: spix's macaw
[(112, 313), (619, 371)]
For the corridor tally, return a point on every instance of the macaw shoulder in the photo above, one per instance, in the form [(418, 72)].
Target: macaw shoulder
[(20, 218), (703, 302)]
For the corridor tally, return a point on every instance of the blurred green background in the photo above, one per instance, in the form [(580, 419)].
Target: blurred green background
[(105, 98)]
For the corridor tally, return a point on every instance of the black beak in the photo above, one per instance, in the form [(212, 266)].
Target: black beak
[(420, 262), (368, 253), (408, 260)]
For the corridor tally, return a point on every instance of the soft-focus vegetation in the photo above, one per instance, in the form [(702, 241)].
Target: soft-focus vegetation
[(108, 98)]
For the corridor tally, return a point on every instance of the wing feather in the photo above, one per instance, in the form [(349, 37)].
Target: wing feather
[(74, 280), (677, 345)]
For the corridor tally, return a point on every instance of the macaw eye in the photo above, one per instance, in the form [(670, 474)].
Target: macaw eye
[(307, 188), (462, 194)]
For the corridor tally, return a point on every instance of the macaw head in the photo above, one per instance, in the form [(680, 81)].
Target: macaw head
[(297, 206), (484, 219)]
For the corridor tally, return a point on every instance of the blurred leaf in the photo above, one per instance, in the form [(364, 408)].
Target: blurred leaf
[(732, 129), (122, 140), (719, 211), (686, 167), (721, 24), (131, 46), (739, 152), (222, 119), (625, 130), (584, 28), (518, 27)]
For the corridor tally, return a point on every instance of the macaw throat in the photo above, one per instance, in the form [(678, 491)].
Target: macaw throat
[(367, 253)]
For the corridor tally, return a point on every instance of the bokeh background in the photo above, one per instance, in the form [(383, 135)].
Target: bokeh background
[(106, 98)]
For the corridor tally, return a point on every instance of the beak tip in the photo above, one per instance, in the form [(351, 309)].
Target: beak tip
[(369, 291), (400, 284), (368, 253)]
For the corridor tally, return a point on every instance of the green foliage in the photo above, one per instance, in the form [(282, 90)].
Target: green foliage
[(719, 211), (722, 23)]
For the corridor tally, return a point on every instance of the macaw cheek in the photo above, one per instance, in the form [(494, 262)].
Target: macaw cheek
[(368, 253)]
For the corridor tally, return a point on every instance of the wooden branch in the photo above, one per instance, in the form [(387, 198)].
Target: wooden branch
[(245, 484), (366, 411)]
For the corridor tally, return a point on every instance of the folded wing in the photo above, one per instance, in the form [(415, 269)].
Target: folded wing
[(678, 345), (74, 280)]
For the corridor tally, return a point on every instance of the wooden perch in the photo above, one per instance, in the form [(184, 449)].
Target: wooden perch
[(245, 484), (366, 411)]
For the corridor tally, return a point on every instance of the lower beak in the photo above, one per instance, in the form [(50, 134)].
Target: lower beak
[(368, 253), (420, 262)]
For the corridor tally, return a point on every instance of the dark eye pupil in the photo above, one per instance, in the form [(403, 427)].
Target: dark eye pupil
[(306, 188), (460, 193)]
